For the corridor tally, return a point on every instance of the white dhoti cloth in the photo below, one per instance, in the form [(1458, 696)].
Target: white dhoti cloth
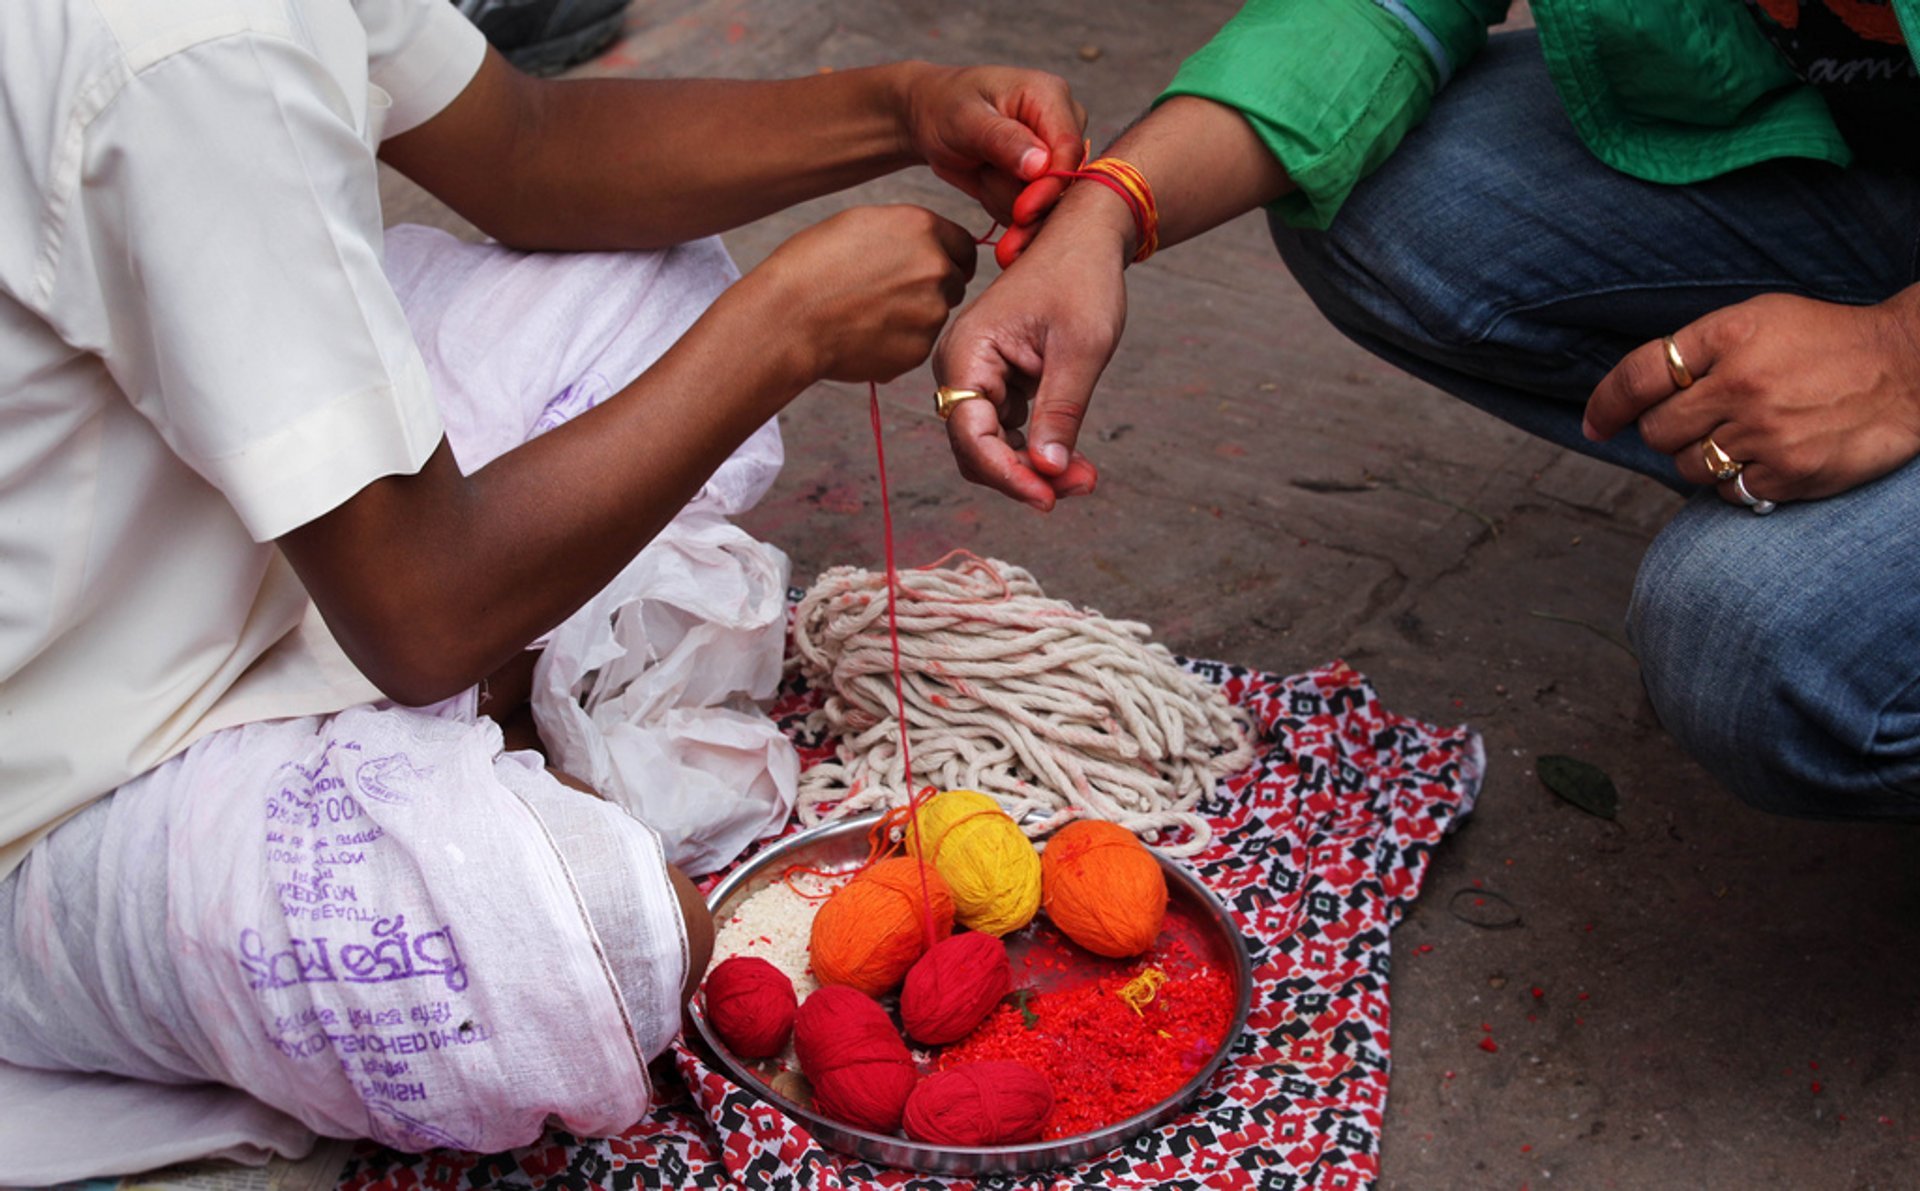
[(372, 924)]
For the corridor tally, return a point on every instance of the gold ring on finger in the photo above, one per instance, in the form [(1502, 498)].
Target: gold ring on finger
[(945, 398), (1677, 365), (1721, 465)]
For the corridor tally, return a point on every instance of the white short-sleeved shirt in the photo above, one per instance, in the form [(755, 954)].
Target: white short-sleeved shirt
[(198, 353)]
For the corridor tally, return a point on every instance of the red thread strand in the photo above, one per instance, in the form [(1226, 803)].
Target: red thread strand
[(914, 798)]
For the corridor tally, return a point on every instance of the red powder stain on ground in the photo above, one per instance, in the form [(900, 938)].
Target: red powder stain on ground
[(1079, 1030), (1230, 450), (1489, 1045), (735, 32)]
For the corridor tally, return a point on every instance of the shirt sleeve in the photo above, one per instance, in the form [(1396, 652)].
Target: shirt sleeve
[(228, 273), (422, 53), (1331, 86)]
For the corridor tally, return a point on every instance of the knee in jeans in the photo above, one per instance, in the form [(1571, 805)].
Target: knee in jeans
[(1741, 671), (1374, 285)]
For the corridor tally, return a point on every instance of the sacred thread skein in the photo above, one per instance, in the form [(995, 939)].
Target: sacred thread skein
[(750, 1004), (953, 987), (980, 1104), (986, 860), (1103, 889), (860, 1069), (872, 929)]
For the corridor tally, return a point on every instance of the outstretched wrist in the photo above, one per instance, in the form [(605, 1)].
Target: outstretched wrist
[(1098, 221), (905, 93), (765, 306)]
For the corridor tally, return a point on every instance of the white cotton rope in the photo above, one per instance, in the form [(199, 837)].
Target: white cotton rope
[(1056, 712)]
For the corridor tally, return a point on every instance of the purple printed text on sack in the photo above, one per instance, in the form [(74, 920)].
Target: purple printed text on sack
[(395, 955)]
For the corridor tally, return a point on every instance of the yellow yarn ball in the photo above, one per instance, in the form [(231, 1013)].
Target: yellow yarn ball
[(989, 865)]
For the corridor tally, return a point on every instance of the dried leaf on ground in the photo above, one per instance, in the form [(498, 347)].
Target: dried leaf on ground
[(1585, 786)]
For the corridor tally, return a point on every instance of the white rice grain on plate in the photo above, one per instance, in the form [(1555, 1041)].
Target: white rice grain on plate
[(775, 924)]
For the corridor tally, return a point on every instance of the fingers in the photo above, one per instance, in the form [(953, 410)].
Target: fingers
[(1037, 199), (975, 354), (986, 457), (1048, 107), (958, 243), (1638, 383), (1005, 144), (1060, 404), (1029, 212), (1693, 458), (1012, 242)]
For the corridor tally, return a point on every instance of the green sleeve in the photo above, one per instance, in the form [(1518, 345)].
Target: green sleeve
[(1332, 85)]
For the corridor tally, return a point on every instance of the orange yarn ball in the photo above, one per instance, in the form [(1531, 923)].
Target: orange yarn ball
[(872, 929), (1102, 888)]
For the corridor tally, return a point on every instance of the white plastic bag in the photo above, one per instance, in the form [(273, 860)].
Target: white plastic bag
[(648, 693)]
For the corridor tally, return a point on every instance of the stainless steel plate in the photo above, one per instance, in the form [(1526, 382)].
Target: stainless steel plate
[(1193, 915)]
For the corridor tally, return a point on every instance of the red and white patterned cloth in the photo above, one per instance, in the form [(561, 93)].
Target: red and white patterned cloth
[(1318, 849)]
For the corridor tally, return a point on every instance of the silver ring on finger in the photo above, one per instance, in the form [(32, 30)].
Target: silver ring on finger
[(1760, 507)]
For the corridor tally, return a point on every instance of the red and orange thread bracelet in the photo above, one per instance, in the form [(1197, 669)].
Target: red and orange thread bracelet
[(1130, 184), (1125, 180)]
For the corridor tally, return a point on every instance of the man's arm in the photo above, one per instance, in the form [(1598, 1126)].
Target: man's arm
[(1044, 331), (636, 163), (432, 581)]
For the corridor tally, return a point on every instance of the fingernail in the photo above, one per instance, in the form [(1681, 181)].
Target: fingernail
[(1032, 163), (1053, 453), (1039, 506)]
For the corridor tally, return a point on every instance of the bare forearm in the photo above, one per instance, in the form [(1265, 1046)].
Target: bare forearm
[(473, 568), (1204, 162), (587, 164), (646, 163), (431, 581)]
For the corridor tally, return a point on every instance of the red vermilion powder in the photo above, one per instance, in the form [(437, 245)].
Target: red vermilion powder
[(1105, 1061)]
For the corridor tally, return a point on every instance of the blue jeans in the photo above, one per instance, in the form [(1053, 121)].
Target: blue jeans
[(1494, 257)]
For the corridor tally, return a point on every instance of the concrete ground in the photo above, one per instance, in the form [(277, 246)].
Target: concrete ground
[(1699, 995)]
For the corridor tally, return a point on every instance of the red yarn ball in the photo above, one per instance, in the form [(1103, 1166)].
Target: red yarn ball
[(953, 987), (980, 1104), (858, 1065), (750, 1004)]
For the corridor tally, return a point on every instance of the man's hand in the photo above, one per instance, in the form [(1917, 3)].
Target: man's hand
[(1040, 336), (867, 291), (990, 130), (1813, 398)]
